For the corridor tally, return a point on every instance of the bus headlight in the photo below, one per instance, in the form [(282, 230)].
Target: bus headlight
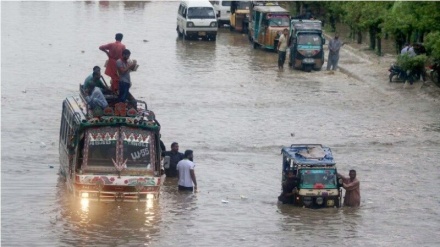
[(319, 200), (85, 195), (213, 24), (189, 24), (307, 200)]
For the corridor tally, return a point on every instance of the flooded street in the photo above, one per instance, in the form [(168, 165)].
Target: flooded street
[(227, 102)]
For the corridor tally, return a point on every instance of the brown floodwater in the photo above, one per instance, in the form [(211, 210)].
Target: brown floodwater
[(228, 103)]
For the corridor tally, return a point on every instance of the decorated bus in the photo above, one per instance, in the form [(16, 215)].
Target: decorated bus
[(110, 154)]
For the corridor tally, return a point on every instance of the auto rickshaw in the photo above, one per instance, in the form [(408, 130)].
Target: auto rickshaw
[(266, 24), (306, 45), (239, 16), (315, 169)]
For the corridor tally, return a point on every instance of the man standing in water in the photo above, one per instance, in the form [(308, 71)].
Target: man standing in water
[(186, 174), (352, 189), (333, 55), (282, 47), (290, 187), (175, 157), (114, 52)]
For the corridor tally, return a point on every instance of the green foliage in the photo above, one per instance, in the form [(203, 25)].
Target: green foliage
[(410, 63), (432, 44)]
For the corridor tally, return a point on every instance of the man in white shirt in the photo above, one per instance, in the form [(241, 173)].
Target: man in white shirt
[(186, 174), (408, 49), (282, 47)]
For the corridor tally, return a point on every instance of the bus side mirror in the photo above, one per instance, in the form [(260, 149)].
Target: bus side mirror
[(323, 41)]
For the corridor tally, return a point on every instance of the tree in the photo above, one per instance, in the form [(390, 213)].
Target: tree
[(432, 44)]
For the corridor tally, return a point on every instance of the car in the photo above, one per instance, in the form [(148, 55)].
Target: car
[(196, 19), (223, 11)]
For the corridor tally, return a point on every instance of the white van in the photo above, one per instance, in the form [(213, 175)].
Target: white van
[(197, 19), (223, 11)]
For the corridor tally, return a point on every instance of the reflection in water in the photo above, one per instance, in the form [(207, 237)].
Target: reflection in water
[(103, 223), (307, 223)]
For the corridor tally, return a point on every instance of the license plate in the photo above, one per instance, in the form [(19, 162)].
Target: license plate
[(308, 60), (202, 33)]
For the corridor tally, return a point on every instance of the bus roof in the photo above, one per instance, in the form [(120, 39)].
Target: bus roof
[(309, 154), (135, 116)]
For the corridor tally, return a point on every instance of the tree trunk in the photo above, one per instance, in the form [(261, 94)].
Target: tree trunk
[(379, 46), (372, 32), (359, 37), (299, 8)]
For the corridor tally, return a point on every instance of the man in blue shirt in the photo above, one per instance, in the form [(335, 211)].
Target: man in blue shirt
[(95, 97), (175, 157)]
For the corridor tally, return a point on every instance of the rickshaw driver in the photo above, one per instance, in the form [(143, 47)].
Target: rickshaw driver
[(289, 188)]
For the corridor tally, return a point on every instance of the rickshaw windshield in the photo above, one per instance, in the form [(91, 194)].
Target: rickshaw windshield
[(243, 5), (309, 39), (201, 13), (278, 20), (318, 179)]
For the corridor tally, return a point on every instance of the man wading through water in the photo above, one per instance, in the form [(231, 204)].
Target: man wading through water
[(282, 47), (175, 156), (186, 174), (333, 55), (352, 189)]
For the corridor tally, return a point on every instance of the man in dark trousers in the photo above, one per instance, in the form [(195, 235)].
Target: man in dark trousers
[(289, 188), (175, 157)]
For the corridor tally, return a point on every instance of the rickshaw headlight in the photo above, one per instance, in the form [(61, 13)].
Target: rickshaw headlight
[(330, 203), (213, 24), (190, 24), (319, 200)]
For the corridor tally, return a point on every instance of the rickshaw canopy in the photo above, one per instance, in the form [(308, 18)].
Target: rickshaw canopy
[(309, 154)]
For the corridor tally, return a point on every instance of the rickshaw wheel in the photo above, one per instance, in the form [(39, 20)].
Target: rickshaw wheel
[(255, 44)]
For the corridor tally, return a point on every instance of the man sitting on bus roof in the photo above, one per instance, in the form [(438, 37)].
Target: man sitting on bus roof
[(98, 82), (95, 96)]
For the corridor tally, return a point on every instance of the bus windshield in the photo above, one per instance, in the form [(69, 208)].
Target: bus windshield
[(201, 13), (110, 146), (137, 147), (101, 146), (318, 179), (309, 39)]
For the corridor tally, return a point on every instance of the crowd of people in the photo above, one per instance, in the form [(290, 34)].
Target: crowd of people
[(118, 68), (333, 56), (181, 166)]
